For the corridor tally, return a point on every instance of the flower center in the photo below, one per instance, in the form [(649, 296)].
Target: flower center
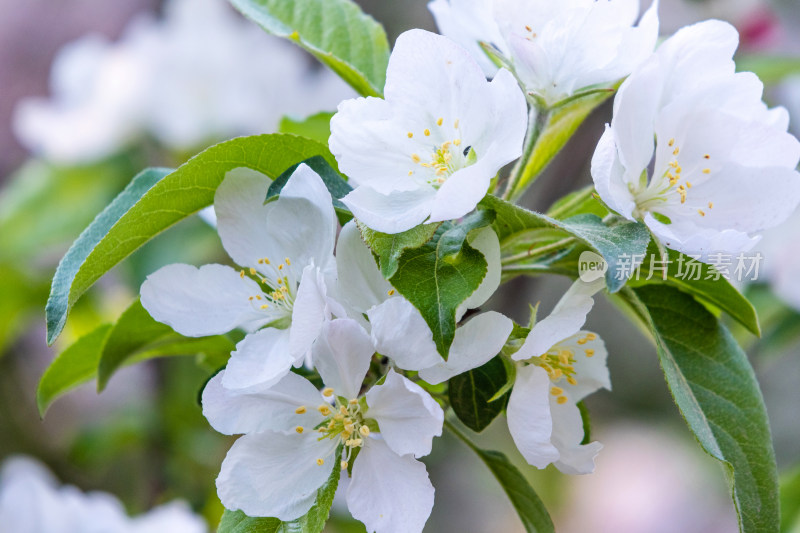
[(280, 286), (559, 363), (673, 181), (445, 157), (344, 422)]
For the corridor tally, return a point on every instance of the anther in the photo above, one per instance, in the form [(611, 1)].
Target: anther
[(584, 340), (671, 142), (299, 429), (561, 399), (700, 211), (288, 262), (589, 352), (591, 336), (556, 391), (571, 380), (427, 132), (706, 171), (241, 274), (415, 158), (457, 142), (344, 465), (300, 410), (410, 135), (391, 292), (353, 401), (320, 461), (439, 122), (264, 306), (455, 124), (711, 205), (676, 151), (327, 392), (707, 156), (364, 430), (325, 410)]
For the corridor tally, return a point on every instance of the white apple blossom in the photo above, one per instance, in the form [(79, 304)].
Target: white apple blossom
[(286, 250), (31, 501), (292, 432), (198, 75), (724, 163), (557, 366), (555, 48), (397, 327), (428, 151)]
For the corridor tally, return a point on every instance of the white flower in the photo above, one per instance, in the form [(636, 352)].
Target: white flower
[(198, 75), (397, 327), (291, 434), (286, 250), (558, 365), (555, 48), (724, 164), (429, 150), (32, 502)]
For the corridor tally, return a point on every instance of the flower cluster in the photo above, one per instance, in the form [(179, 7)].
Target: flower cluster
[(338, 372)]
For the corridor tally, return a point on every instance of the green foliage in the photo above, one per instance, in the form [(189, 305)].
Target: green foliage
[(578, 202), (336, 32), (717, 292), (312, 522), (133, 338), (770, 69), (439, 275), (316, 127), (74, 366), (717, 393), (614, 243), (137, 336), (470, 394), (526, 502), (790, 501), (155, 200), (389, 247)]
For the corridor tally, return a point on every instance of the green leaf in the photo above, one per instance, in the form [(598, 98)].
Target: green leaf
[(389, 247), (316, 127), (136, 336), (617, 244), (156, 200), (437, 276), (717, 292), (336, 32), (558, 128), (770, 69), (312, 522), (471, 391), (72, 367), (716, 391), (790, 501), (578, 202), (526, 502), (334, 181)]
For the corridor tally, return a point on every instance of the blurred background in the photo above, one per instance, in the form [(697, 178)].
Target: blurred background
[(94, 91)]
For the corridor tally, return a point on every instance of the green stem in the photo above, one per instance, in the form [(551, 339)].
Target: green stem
[(538, 251), (460, 434), (537, 119), (576, 200)]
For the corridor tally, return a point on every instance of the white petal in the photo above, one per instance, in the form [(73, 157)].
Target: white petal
[(486, 242), (268, 408), (475, 343), (400, 332), (342, 355), (591, 371), (567, 318), (574, 457), (462, 191), (390, 213), (274, 474), (211, 300), (260, 359), (176, 517), (408, 417), (389, 493), (529, 420), (312, 308), (360, 281), (251, 230), (609, 176), (690, 239)]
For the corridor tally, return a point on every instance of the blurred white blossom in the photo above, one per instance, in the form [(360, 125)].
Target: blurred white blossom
[(31, 501), (198, 75)]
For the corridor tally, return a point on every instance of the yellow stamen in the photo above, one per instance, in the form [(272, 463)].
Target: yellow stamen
[(300, 410), (415, 158), (439, 122), (571, 380), (391, 292), (707, 156), (427, 132), (327, 392), (457, 142), (711, 205), (556, 391), (671, 142), (589, 352), (324, 409), (455, 124), (264, 306), (364, 430), (706, 171), (241, 274), (701, 213), (676, 151), (591, 336), (344, 465), (562, 400), (320, 461), (299, 429), (410, 135), (252, 271)]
